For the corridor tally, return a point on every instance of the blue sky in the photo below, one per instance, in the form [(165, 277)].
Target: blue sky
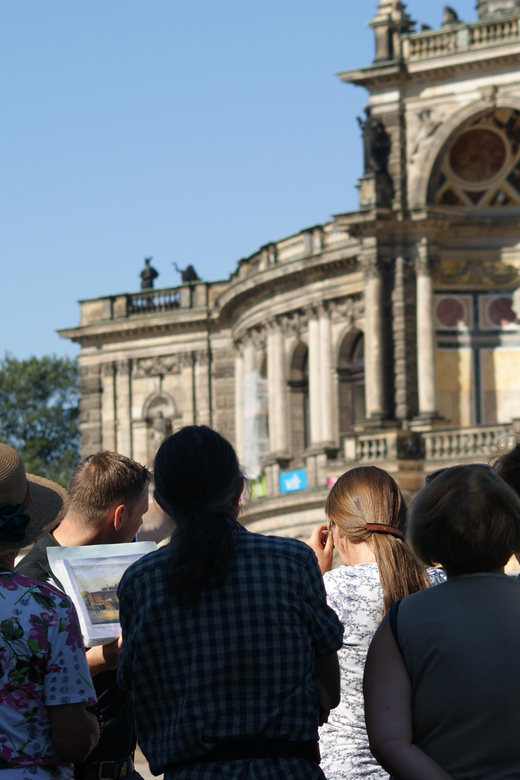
[(192, 131)]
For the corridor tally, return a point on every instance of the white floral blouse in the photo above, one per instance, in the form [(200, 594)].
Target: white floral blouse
[(356, 595)]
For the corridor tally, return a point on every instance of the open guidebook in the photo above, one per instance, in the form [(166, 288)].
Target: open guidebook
[(90, 577)]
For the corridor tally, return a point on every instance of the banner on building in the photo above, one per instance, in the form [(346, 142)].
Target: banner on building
[(290, 481)]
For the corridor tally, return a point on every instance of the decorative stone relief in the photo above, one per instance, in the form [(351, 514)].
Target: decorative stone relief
[(423, 126), (475, 272), (162, 364)]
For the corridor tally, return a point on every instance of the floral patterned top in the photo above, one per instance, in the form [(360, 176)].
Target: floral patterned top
[(356, 595), (42, 663)]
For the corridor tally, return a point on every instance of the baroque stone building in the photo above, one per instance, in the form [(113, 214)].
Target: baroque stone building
[(387, 335)]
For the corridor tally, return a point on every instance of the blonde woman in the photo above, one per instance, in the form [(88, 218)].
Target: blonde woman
[(366, 513)]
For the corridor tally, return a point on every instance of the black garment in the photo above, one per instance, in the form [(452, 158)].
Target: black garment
[(118, 739)]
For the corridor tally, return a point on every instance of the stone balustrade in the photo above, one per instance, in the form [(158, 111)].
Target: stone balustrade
[(168, 299), (460, 38), (153, 301), (291, 248), (382, 446), (463, 443)]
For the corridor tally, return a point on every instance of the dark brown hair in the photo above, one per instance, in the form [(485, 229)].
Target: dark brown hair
[(198, 483), (102, 480), (370, 495), (506, 463), (467, 519)]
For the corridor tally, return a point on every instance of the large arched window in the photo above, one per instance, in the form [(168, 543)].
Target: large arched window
[(299, 401), (480, 167), (351, 381)]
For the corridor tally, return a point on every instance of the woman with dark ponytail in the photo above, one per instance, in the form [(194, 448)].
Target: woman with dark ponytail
[(366, 513), (227, 636)]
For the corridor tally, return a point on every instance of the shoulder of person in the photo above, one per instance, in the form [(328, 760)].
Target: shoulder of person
[(280, 545), (36, 563)]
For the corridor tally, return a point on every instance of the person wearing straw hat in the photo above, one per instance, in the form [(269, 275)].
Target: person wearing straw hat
[(45, 683)]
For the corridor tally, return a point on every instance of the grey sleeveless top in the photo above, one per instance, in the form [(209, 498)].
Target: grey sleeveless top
[(460, 642)]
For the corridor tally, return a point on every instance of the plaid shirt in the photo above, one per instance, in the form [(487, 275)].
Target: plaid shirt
[(239, 665)]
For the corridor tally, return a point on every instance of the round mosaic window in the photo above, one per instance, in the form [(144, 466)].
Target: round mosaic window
[(481, 168)]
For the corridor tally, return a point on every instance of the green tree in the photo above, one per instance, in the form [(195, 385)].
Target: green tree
[(39, 400)]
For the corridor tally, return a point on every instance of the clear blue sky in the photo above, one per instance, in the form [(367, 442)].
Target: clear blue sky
[(189, 130)]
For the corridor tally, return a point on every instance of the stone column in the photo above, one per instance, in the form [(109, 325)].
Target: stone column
[(374, 333), (239, 402), (315, 402), (328, 435), (123, 381), (277, 391), (108, 408), (90, 408), (426, 336)]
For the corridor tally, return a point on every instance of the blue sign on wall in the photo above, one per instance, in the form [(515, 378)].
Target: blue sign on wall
[(293, 480)]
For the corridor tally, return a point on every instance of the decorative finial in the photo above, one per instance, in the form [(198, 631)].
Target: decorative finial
[(389, 22)]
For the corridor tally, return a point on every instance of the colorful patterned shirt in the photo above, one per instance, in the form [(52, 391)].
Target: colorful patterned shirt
[(42, 663), (241, 664)]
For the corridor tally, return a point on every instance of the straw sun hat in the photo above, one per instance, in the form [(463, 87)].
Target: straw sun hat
[(30, 506)]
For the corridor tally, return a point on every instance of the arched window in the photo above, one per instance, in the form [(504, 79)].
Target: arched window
[(299, 401), (480, 166), (351, 381)]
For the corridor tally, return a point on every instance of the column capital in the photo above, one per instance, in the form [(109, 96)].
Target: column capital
[(107, 369), (311, 311), (273, 325), (258, 337), (373, 265), (124, 366), (427, 257)]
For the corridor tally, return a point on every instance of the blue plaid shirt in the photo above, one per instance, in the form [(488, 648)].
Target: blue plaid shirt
[(239, 665)]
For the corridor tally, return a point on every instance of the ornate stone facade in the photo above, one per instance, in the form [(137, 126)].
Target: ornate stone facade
[(386, 336)]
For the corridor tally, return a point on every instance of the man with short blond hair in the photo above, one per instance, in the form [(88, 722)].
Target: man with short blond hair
[(108, 496)]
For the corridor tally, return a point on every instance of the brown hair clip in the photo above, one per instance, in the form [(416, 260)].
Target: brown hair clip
[(379, 528)]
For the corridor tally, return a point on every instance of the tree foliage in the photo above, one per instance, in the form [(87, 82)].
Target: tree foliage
[(39, 413)]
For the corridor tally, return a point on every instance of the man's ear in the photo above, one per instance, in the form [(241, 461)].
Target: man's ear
[(118, 516)]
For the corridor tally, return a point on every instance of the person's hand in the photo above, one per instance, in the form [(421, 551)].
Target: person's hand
[(323, 545), (324, 703), (101, 658)]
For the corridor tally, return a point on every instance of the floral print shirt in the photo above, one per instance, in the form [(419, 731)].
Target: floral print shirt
[(42, 663), (356, 595)]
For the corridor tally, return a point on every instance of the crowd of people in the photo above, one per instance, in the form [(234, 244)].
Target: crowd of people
[(245, 656)]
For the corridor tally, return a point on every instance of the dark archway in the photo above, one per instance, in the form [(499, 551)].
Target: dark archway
[(351, 382)]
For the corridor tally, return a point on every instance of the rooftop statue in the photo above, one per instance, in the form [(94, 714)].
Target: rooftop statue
[(188, 274), (376, 143), (148, 274), (449, 16)]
